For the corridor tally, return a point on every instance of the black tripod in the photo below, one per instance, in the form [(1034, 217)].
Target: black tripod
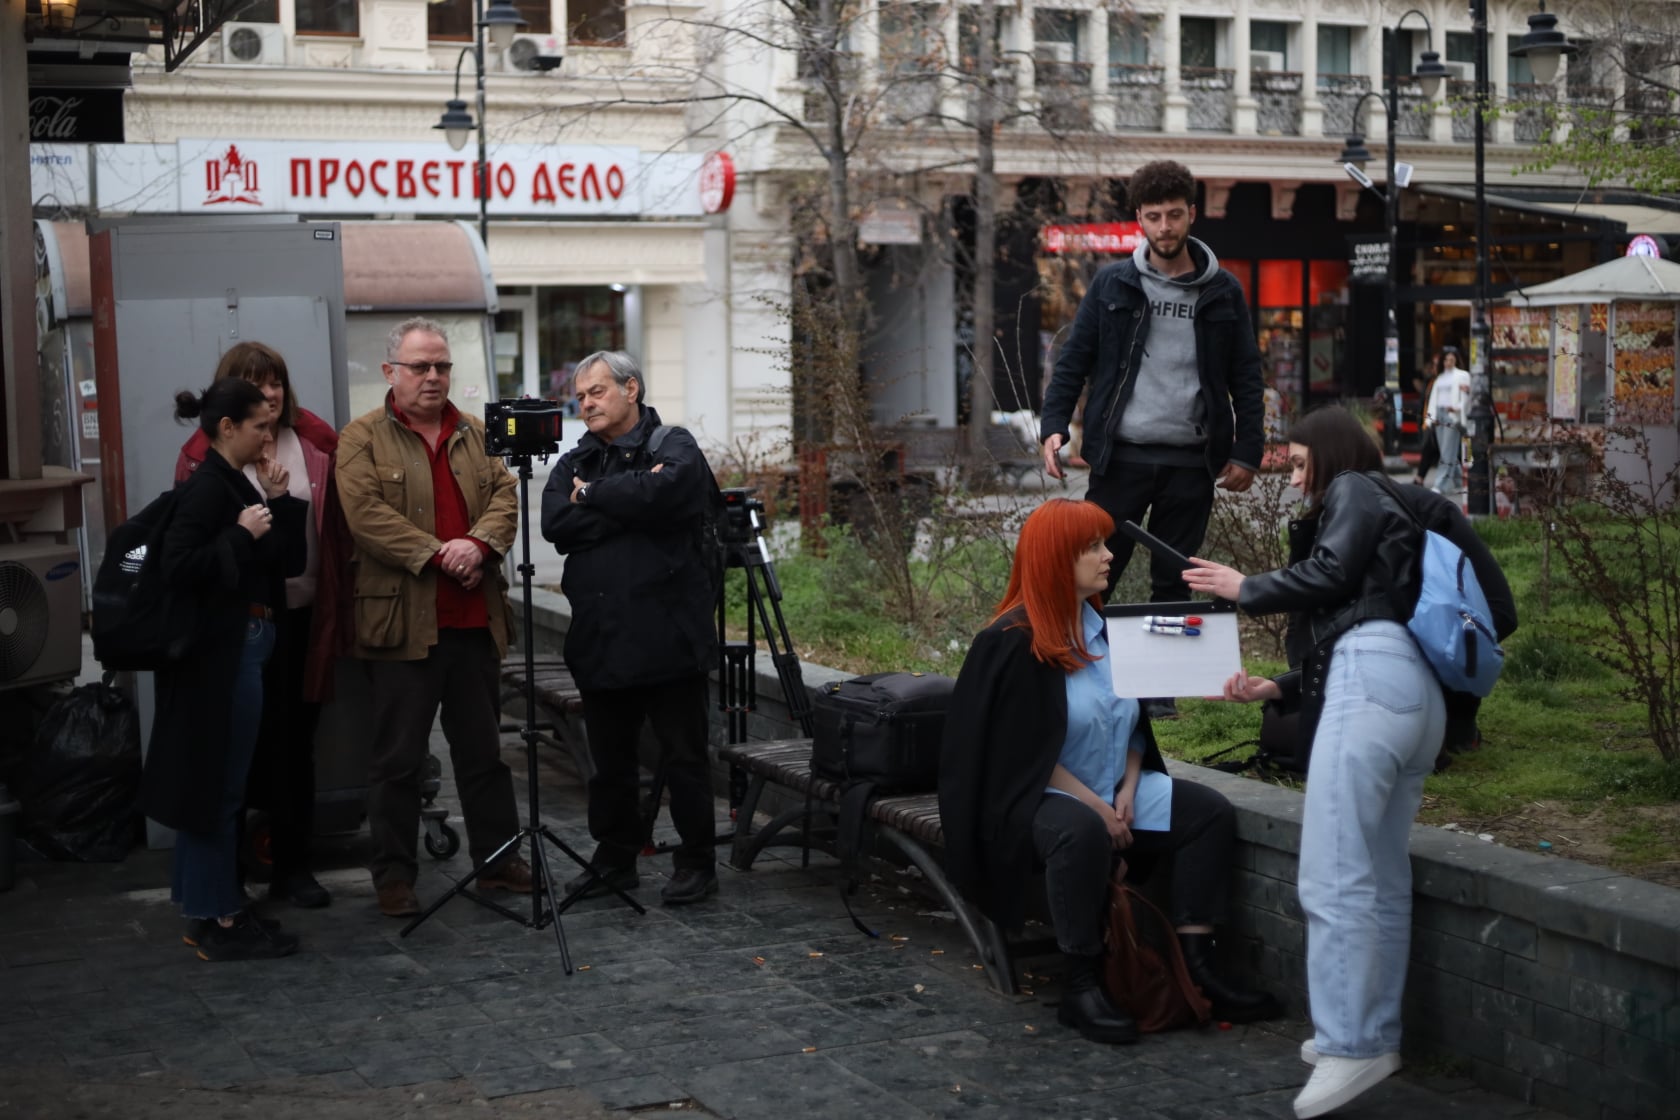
[(543, 907), (737, 679)]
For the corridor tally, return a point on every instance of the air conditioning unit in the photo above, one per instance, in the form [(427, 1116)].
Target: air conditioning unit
[(1261, 62), (1052, 52), (254, 44), (532, 53), (40, 613), (1460, 71)]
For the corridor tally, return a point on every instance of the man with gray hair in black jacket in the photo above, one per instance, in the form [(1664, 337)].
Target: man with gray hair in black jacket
[(625, 509), (1163, 348)]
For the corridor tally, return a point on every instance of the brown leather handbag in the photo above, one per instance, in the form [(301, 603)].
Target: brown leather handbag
[(1143, 966)]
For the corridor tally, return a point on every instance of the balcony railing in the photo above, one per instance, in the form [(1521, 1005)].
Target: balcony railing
[(1461, 96), (1415, 112), (1338, 93), (1531, 111), (1209, 91), (1651, 118), (1064, 95), (1279, 95), (1592, 103), (1137, 95), (912, 94)]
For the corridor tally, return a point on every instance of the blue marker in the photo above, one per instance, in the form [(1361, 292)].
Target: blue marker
[(1166, 628)]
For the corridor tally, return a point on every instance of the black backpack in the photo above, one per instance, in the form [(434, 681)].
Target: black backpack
[(709, 536), (139, 622)]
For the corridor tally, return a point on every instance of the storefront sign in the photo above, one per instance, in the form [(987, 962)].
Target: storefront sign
[(1094, 237), (1644, 245), (717, 183), (890, 223), (76, 116), (1368, 260), (58, 176), (346, 179)]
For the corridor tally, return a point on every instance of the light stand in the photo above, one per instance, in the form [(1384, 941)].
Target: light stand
[(737, 675), (542, 885)]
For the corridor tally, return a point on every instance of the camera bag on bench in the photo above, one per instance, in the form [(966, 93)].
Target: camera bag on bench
[(876, 735)]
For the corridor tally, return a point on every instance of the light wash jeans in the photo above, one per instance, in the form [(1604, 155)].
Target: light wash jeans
[(1449, 438), (1383, 720)]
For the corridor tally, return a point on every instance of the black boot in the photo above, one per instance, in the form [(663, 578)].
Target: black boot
[(1230, 1003), (1086, 1008)]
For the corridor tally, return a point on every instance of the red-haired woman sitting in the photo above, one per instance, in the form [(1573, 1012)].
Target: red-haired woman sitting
[(1045, 767)]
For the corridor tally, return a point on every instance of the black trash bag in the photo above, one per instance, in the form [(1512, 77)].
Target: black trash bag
[(81, 796)]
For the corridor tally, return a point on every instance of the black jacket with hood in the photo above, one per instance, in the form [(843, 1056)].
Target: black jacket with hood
[(640, 592), (1106, 345)]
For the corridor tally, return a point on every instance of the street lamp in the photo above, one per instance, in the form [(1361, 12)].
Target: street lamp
[(1544, 46), (502, 20), (1355, 155)]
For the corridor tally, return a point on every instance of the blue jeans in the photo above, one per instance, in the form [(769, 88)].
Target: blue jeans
[(1384, 716), (206, 874)]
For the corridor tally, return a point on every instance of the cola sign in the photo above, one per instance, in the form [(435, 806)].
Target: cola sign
[(76, 116)]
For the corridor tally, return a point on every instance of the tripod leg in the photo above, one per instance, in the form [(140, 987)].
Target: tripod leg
[(539, 864), (572, 854), (465, 882)]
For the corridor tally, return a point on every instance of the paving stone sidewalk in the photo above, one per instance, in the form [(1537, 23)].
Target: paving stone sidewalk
[(760, 1003)]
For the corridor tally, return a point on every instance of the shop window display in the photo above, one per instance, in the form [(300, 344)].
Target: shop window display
[(573, 322)]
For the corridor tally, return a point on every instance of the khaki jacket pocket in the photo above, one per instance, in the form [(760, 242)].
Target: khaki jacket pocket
[(381, 621)]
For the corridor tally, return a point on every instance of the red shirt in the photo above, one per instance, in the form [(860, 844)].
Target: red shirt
[(457, 608)]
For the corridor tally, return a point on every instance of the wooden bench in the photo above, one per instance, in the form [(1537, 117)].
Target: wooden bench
[(559, 699), (909, 822)]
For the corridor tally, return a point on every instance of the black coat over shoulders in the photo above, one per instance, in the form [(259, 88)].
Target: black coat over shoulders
[(207, 555), (1003, 734)]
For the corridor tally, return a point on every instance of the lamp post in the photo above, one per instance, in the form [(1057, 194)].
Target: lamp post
[(1544, 46), (502, 20), (1429, 74)]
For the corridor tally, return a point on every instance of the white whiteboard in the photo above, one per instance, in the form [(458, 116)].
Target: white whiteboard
[(1158, 666)]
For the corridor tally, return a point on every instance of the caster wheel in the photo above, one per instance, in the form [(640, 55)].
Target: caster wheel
[(442, 842)]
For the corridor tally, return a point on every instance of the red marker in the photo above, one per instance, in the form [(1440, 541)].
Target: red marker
[(1171, 620)]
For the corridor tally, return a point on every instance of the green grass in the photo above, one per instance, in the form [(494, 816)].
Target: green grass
[(1560, 740)]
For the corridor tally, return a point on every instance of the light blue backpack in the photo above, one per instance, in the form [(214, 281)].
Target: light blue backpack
[(1452, 623)]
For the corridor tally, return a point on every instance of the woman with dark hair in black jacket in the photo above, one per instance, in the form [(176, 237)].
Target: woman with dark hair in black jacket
[(228, 548), (1375, 714)]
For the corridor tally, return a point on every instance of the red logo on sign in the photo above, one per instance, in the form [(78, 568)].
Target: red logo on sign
[(231, 179), (1095, 237), (717, 183)]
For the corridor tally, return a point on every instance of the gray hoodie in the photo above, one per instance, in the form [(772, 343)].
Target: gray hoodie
[(1166, 409)]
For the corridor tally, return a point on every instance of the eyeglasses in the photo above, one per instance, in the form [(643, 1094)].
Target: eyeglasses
[(421, 369)]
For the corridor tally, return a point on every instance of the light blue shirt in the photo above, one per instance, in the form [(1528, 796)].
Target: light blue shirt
[(1101, 727)]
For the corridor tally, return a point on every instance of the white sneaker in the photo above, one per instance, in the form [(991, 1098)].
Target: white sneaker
[(1337, 1081), (1309, 1053)]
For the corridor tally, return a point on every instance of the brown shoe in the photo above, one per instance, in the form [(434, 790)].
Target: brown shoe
[(397, 900), (512, 874)]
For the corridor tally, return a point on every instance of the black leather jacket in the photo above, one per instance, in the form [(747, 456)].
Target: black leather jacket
[(1358, 559)]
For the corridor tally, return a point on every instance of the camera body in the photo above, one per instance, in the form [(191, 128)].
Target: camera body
[(522, 426), (742, 512)]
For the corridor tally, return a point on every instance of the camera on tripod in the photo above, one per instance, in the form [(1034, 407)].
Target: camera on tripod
[(742, 515), (522, 427)]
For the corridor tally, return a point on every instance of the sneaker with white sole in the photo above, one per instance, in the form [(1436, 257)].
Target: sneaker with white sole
[(1338, 1081), (1309, 1053)]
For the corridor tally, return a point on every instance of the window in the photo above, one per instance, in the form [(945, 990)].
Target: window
[(453, 19), (259, 11), (327, 17), (1128, 39), (1461, 47), (1335, 50), (910, 38), (599, 22), (1055, 36), (1266, 35), (1518, 70), (1198, 42), (968, 38)]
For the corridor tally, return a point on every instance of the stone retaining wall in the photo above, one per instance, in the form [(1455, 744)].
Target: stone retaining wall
[(1550, 981)]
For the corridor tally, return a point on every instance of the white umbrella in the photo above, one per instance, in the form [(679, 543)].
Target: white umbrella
[(1625, 278)]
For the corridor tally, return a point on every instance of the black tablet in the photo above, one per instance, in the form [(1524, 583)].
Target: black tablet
[(1154, 544)]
